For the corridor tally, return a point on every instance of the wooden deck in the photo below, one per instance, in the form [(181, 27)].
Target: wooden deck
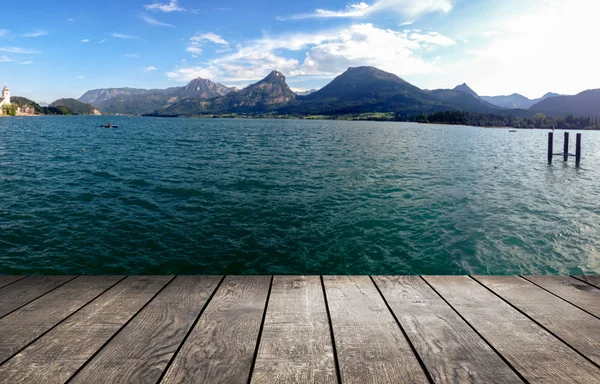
[(299, 329)]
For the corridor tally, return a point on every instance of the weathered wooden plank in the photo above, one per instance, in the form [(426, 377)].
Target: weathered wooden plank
[(594, 280), (221, 347), (451, 351), (26, 290), (6, 280), (140, 352), (295, 346), (29, 322), (576, 327), (58, 354), (371, 347), (534, 352), (577, 292)]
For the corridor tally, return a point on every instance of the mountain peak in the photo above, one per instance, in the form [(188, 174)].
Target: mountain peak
[(203, 88), (275, 75), (362, 68), (269, 91), (550, 94), (466, 89), (358, 83)]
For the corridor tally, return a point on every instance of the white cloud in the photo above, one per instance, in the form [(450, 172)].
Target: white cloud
[(352, 10), (489, 33), (4, 32), (149, 69), (194, 49), (5, 59), (199, 39), (69, 20), (152, 21), (432, 38), (364, 44), (125, 37), (81, 77), (252, 66), (519, 58), (327, 53), (173, 6), (35, 34), (17, 50), (101, 41), (189, 73), (133, 55), (212, 37), (409, 8), (26, 62), (85, 40)]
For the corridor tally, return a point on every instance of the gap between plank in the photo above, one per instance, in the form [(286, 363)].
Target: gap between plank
[(119, 330), (338, 373), (43, 294), (477, 332), (260, 330), (22, 277), (532, 319), (584, 281), (562, 298), (412, 347), (189, 332), (61, 321)]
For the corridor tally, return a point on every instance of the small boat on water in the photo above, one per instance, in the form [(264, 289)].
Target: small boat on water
[(109, 125), (513, 130)]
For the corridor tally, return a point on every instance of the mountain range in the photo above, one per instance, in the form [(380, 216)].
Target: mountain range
[(516, 101), (358, 90)]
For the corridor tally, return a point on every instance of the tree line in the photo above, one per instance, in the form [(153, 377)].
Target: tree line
[(539, 120)]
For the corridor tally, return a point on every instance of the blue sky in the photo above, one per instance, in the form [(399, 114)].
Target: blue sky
[(50, 50)]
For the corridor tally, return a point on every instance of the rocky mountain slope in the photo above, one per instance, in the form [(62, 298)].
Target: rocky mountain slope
[(266, 95), (148, 101)]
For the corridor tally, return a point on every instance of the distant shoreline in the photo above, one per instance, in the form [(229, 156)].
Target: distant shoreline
[(324, 118)]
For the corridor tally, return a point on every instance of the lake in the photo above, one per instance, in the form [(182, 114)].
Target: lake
[(235, 196)]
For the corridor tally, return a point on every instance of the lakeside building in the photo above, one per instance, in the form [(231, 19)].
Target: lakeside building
[(27, 110), (4, 99), (23, 110)]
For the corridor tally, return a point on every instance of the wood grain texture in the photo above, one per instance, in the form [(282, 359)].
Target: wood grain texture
[(594, 280), (28, 289), (449, 348), (5, 280), (574, 326), (371, 347), (221, 347), (295, 346), (142, 350), (29, 322), (572, 290), (58, 354), (533, 351)]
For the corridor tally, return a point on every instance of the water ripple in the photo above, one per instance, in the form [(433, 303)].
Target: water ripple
[(271, 196)]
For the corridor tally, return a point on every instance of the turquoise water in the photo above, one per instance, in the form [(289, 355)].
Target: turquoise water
[(213, 196)]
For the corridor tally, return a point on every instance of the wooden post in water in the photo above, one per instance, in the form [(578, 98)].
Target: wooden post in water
[(566, 147), (550, 141), (578, 150)]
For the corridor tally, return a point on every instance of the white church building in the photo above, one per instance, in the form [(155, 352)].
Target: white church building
[(4, 99)]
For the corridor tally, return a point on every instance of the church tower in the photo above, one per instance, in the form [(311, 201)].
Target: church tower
[(6, 95)]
